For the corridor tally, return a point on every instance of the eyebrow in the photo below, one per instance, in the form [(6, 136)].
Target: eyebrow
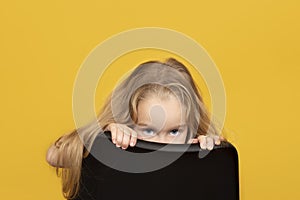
[(175, 127)]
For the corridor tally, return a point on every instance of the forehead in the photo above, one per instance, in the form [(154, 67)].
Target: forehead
[(160, 112)]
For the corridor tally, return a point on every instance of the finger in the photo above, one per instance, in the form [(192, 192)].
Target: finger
[(217, 139), (202, 141), (133, 138), (119, 137), (210, 143), (222, 138), (113, 133), (126, 139)]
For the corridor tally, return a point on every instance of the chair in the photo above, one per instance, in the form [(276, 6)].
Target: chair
[(191, 173)]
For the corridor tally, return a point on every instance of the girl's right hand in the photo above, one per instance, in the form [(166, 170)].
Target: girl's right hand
[(122, 135)]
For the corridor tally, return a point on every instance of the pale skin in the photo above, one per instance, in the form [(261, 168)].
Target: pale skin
[(158, 121)]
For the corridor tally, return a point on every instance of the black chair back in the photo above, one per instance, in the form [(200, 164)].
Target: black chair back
[(193, 172)]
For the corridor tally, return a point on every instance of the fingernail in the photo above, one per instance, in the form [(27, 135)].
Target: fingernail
[(118, 145), (131, 144)]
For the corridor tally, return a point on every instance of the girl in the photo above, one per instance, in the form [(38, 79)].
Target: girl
[(158, 102)]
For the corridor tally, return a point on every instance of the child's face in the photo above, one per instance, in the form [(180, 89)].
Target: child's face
[(161, 121)]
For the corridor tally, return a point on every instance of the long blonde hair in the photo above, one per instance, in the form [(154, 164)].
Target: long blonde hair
[(171, 77)]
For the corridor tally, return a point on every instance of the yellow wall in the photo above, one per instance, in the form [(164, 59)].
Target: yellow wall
[(255, 44)]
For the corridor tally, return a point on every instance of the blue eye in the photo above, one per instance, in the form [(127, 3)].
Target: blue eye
[(148, 131), (175, 132)]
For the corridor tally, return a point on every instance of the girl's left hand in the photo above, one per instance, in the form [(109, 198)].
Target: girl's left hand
[(208, 141)]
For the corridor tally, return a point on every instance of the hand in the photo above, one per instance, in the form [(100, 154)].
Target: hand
[(208, 142), (122, 135)]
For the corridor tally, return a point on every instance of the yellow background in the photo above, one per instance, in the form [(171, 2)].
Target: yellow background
[(255, 45)]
